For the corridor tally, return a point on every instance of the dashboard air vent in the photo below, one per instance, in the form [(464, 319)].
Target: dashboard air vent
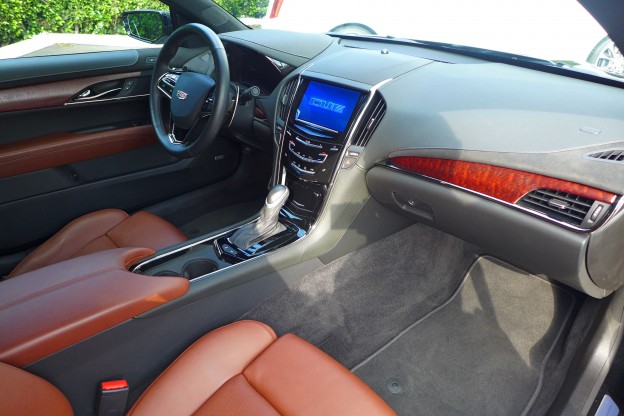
[(613, 155), (371, 120), (285, 99), (562, 206)]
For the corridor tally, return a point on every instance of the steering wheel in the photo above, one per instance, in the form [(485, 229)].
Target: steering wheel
[(198, 103)]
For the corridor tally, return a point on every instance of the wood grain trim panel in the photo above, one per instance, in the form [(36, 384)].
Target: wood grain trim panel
[(52, 94), (504, 184), (48, 309), (63, 148)]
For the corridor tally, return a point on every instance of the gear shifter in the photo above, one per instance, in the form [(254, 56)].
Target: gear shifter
[(267, 225)]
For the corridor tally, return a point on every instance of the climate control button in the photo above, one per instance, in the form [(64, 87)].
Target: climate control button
[(307, 142), (319, 159)]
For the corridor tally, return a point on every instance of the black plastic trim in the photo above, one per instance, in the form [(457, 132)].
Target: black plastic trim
[(593, 360), (18, 72), (509, 234)]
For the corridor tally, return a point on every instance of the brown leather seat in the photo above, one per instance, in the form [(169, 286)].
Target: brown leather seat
[(244, 369), (98, 231), (22, 393), (238, 369)]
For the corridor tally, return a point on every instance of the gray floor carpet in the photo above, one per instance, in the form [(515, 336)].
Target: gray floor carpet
[(354, 305), (482, 352), (221, 218)]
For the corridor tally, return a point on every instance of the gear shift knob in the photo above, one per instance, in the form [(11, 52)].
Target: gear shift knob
[(268, 223), (277, 197)]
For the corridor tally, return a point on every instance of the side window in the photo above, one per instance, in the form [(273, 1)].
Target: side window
[(58, 27)]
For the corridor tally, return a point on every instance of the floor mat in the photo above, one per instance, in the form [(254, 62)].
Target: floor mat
[(221, 218), (354, 305), (482, 352)]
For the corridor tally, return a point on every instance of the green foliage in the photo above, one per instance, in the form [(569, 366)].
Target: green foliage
[(21, 19), (146, 25), (244, 8)]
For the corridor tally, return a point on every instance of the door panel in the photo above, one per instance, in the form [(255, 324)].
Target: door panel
[(76, 137), (84, 118), (56, 94), (28, 221), (25, 156), (28, 71)]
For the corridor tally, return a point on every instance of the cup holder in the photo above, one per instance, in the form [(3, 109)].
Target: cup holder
[(199, 267), (168, 273)]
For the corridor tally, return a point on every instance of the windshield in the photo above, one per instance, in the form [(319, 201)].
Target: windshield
[(561, 31)]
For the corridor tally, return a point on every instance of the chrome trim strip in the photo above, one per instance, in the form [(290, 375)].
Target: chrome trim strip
[(279, 65), (614, 209), (129, 97), (316, 125), (187, 247), (90, 98), (235, 105), (215, 237), (165, 93), (349, 138), (282, 137), (611, 211)]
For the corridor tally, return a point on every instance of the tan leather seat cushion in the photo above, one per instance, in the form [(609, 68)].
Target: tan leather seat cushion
[(102, 230), (243, 369)]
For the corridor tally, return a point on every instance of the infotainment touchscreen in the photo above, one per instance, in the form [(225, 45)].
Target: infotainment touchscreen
[(327, 106)]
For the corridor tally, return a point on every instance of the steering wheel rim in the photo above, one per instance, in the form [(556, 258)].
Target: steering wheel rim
[(204, 136)]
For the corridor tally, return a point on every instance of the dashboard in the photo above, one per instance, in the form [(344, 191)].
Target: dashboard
[(527, 164), (249, 68)]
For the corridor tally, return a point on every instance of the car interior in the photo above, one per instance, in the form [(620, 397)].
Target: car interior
[(266, 222)]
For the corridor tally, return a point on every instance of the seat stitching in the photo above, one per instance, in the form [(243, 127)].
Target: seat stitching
[(256, 390), (132, 409), (51, 289), (265, 326)]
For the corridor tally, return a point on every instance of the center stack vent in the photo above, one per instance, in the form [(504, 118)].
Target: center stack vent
[(370, 121), (568, 208), (285, 99)]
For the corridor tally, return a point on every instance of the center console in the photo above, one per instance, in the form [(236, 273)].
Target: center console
[(321, 115)]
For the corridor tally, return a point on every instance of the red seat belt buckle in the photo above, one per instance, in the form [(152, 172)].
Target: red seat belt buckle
[(113, 398)]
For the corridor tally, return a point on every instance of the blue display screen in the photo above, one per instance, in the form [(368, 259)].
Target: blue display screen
[(327, 106)]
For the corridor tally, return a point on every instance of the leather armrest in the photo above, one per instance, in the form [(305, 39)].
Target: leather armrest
[(48, 309), (60, 149)]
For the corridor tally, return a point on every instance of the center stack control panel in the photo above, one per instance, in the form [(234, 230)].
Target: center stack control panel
[(308, 158), (315, 136), (321, 116)]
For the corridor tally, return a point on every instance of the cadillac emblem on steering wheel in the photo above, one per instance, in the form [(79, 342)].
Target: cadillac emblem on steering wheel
[(182, 95)]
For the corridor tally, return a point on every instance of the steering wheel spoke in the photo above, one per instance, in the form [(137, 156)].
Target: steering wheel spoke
[(174, 134), (208, 107), (166, 83), (183, 137)]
